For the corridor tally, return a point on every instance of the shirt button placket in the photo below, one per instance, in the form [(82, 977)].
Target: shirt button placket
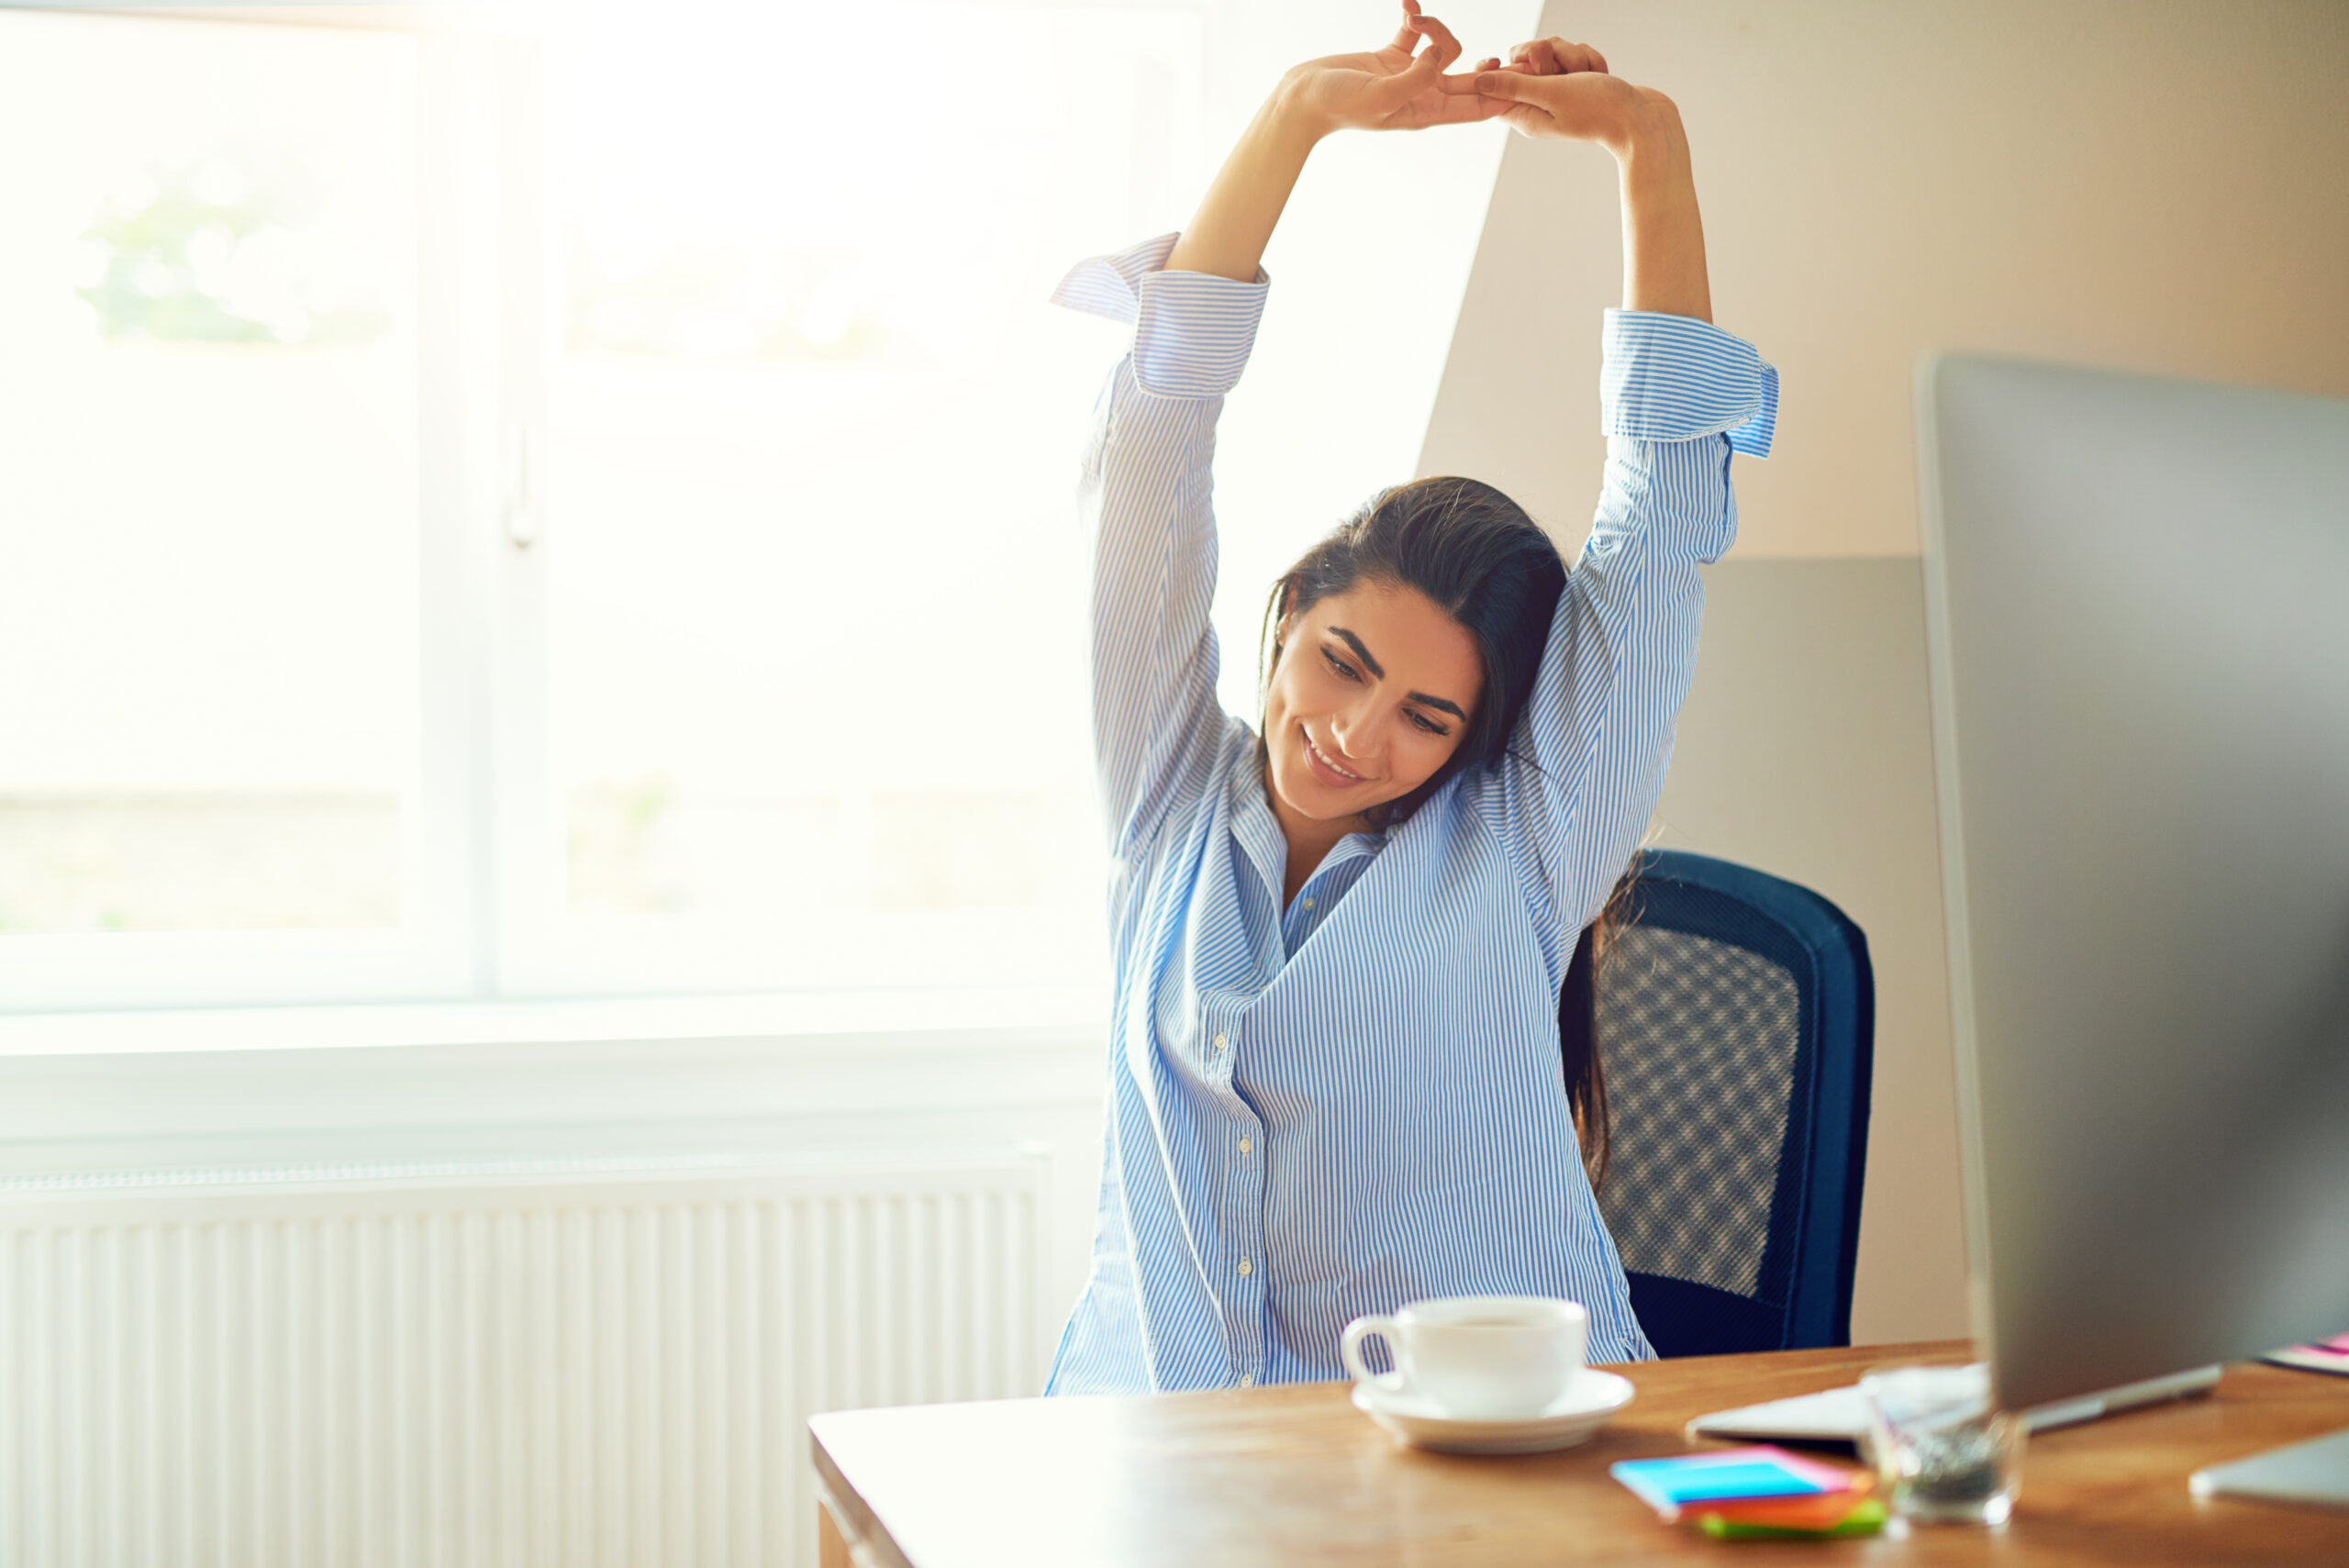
[(1246, 1295), (1243, 1348), (1251, 1338)]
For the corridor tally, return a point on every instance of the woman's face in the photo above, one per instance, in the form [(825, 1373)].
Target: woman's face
[(1372, 695)]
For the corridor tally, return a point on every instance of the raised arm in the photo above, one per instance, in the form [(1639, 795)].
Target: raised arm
[(1193, 301), (1678, 398), (1559, 90)]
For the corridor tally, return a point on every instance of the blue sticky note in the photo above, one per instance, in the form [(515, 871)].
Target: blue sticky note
[(1665, 1483)]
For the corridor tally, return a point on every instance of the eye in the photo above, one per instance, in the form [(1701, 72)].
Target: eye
[(1425, 723), (1339, 665)]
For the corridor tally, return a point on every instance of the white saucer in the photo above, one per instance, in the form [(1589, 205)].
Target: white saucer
[(1589, 1402)]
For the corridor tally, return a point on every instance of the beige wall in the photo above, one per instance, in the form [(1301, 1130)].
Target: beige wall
[(2139, 183), (2146, 184)]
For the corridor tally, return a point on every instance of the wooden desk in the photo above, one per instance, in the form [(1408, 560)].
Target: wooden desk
[(1296, 1475)]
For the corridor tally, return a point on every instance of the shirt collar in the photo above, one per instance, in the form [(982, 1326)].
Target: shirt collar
[(1260, 831)]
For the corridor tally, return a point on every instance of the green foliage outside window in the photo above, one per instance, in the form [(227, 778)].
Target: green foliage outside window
[(203, 254)]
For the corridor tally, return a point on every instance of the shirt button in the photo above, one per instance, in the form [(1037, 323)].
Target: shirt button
[(1246, 1268), (1245, 1145), (1248, 1380), (1309, 904), (1219, 1043)]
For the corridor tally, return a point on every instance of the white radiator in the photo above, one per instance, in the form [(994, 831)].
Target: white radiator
[(568, 1365)]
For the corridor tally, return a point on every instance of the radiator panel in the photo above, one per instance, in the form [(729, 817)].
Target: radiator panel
[(575, 1369)]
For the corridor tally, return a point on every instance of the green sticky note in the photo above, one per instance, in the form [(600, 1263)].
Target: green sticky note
[(1865, 1519)]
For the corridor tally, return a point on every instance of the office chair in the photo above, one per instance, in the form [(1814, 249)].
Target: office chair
[(1735, 1015)]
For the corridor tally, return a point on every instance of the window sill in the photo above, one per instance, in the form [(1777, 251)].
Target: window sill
[(799, 1022), (648, 1076)]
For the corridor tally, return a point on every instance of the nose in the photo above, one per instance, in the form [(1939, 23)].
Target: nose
[(1348, 726)]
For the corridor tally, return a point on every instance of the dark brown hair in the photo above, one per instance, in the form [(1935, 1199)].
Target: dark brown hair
[(1578, 1031), (1476, 553)]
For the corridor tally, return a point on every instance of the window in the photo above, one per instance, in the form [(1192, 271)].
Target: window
[(210, 611), (813, 597), (753, 646), (588, 511)]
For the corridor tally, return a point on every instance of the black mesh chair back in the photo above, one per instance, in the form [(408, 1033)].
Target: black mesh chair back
[(1736, 1020)]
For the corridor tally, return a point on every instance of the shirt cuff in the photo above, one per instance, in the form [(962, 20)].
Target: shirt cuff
[(1192, 330), (1674, 378)]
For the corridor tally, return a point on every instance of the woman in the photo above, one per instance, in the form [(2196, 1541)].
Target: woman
[(1335, 1081)]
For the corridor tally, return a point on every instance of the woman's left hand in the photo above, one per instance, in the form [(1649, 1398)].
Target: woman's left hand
[(1554, 88), (1400, 87)]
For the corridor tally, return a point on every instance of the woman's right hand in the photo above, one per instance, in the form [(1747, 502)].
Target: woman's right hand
[(1400, 87)]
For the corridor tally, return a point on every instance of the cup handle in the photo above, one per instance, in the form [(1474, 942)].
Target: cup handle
[(1349, 1352)]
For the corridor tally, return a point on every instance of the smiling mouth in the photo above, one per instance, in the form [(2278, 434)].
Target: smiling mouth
[(1323, 758)]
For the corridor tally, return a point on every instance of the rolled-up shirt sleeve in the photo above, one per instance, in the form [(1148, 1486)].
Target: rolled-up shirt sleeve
[(1678, 398), (1673, 378), (1147, 492)]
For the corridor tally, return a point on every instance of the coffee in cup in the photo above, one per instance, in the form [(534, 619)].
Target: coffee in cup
[(1479, 1357)]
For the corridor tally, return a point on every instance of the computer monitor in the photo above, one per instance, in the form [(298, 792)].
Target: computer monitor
[(2137, 598)]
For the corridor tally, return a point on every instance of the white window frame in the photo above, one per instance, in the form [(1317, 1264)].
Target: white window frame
[(484, 867), (434, 951)]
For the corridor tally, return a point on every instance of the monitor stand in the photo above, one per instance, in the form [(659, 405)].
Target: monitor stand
[(2125, 1396), (2313, 1472)]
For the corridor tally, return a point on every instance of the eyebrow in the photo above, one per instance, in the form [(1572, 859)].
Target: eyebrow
[(1422, 698)]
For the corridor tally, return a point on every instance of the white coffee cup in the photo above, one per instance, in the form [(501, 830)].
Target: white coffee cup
[(1480, 1358)]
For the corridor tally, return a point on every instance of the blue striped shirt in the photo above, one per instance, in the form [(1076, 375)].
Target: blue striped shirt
[(1330, 1109)]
